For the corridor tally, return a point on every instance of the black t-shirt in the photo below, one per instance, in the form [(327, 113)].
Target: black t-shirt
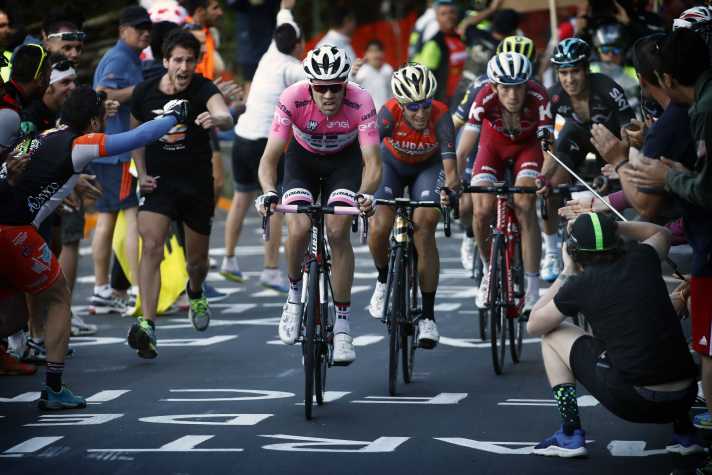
[(629, 309), (671, 137), (40, 115), (185, 150)]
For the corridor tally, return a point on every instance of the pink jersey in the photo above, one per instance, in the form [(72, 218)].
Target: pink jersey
[(297, 113)]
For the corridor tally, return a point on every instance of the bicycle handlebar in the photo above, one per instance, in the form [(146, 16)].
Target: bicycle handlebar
[(500, 189), (314, 209), (405, 203)]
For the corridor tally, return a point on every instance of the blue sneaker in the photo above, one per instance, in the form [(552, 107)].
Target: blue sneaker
[(231, 270), (65, 399), (273, 279), (685, 444), (213, 294), (142, 338), (562, 445), (551, 267), (703, 421)]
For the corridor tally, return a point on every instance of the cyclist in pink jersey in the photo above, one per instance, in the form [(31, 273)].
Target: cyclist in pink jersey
[(335, 150), (505, 117)]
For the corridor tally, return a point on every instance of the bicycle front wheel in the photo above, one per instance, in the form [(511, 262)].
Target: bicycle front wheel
[(309, 344), (396, 314), (497, 308), (517, 324), (408, 335), (323, 347)]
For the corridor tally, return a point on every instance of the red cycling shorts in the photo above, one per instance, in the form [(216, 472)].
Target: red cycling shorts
[(701, 314), (495, 149), (26, 262)]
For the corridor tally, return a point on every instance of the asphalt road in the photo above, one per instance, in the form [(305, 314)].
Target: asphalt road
[(228, 400)]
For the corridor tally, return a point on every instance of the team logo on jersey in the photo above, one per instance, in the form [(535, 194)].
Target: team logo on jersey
[(175, 135), (312, 125)]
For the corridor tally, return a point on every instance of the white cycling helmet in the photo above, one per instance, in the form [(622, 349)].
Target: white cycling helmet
[(327, 63), (692, 18), (509, 69), (413, 83)]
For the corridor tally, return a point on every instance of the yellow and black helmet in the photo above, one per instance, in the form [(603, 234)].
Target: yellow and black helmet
[(517, 44)]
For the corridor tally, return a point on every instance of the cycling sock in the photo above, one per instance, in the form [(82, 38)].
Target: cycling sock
[(192, 295), (382, 274), (532, 283), (469, 232), (343, 315), (565, 397), (295, 290), (428, 305), (551, 243), (53, 378)]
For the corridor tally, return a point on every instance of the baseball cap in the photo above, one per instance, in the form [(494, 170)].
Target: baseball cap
[(594, 232), (443, 3), (9, 128), (134, 15)]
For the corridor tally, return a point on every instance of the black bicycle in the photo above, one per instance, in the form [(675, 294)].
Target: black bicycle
[(317, 321), (401, 310)]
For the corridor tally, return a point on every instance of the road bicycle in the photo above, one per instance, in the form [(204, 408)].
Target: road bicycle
[(401, 310), (317, 321)]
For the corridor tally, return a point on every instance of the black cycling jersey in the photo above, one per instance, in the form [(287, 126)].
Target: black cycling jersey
[(463, 108), (608, 104)]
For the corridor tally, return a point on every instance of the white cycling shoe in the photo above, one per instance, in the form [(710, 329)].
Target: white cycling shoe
[(344, 353), (289, 323), (428, 335), (378, 300), (551, 267), (481, 299)]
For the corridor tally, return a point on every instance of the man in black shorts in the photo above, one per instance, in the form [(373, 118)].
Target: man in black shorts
[(638, 364), (176, 181)]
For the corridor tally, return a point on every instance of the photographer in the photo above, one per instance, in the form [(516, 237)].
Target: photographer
[(638, 364)]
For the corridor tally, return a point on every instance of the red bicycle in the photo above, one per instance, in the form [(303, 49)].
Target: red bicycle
[(502, 315)]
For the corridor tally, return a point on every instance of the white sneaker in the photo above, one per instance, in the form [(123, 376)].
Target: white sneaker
[(273, 279), (17, 344), (551, 267), (230, 270), (378, 300), (289, 323), (80, 327), (428, 335), (344, 353), (467, 252), (481, 300)]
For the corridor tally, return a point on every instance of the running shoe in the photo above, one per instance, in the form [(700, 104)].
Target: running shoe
[(36, 352), (481, 300), (703, 421), (562, 445), (685, 444), (199, 312), (344, 353), (64, 399), (428, 335), (81, 328), (17, 344), (231, 270), (106, 302), (212, 294), (10, 366), (467, 252), (378, 300), (289, 323), (273, 279), (551, 267), (142, 338)]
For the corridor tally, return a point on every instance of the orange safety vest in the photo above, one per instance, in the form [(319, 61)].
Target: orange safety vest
[(206, 65)]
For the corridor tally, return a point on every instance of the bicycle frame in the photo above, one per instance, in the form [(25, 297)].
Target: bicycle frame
[(508, 226)]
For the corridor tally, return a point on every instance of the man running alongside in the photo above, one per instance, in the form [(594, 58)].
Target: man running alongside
[(176, 181), (507, 114), (580, 100), (418, 152), (56, 158), (335, 148)]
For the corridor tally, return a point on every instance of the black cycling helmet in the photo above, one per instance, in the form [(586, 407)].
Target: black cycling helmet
[(571, 52), (610, 34), (592, 232)]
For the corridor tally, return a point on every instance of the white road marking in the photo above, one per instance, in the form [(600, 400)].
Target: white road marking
[(309, 444), (186, 443), (107, 395), (440, 399), (31, 445), (257, 395)]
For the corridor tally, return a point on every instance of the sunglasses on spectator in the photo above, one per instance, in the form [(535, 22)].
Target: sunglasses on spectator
[(41, 61), (610, 50), (68, 36), (416, 106), (323, 88)]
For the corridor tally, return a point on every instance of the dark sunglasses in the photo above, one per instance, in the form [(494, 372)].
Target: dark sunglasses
[(610, 50), (416, 106), (68, 36), (62, 65), (323, 88)]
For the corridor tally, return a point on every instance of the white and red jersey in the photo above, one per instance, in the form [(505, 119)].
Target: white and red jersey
[(535, 113), (297, 114)]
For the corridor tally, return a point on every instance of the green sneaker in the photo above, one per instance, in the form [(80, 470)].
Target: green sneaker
[(142, 338), (199, 313), (64, 399)]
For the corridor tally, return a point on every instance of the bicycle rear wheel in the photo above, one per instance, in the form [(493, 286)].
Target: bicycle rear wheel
[(309, 344), (497, 308), (517, 324), (395, 317)]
